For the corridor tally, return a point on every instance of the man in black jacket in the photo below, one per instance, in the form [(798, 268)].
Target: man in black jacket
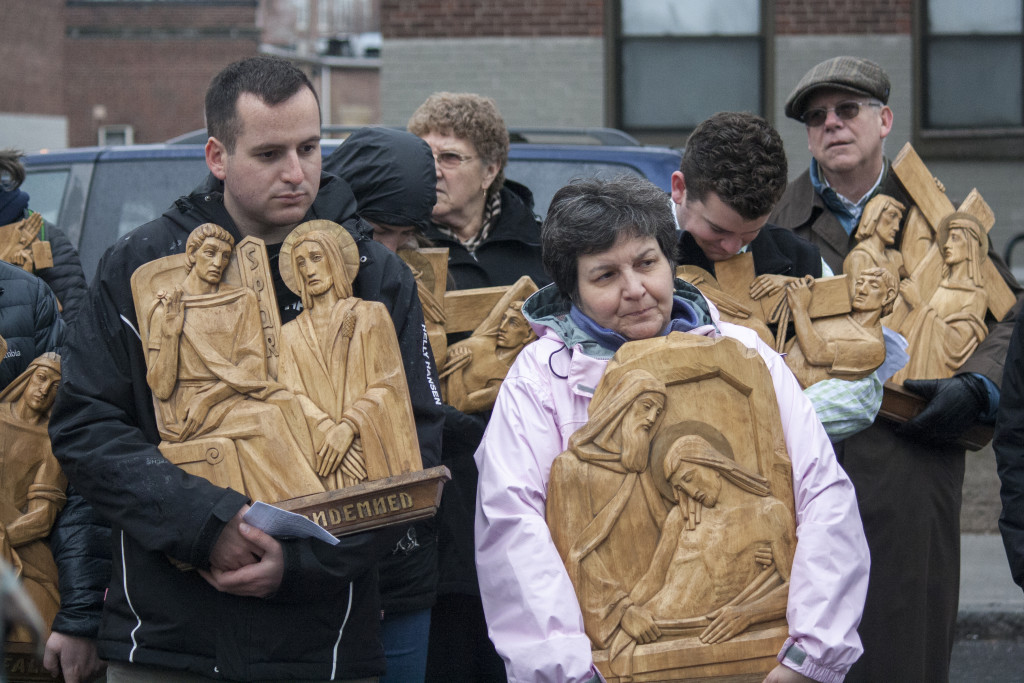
[(258, 608)]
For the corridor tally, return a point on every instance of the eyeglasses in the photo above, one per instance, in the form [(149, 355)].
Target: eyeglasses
[(450, 160), (844, 110)]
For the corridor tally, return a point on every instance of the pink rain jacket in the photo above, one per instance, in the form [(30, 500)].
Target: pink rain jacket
[(532, 613)]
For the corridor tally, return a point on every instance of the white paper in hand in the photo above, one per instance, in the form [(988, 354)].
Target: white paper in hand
[(283, 524)]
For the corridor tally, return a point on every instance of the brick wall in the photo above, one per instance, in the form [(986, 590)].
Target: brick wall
[(841, 17), (490, 18), (31, 79), (148, 66)]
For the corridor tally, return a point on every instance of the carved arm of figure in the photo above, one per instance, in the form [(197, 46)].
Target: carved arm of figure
[(200, 405), (768, 284), (818, 351), (734, 618), (37, 520), (167, 321)]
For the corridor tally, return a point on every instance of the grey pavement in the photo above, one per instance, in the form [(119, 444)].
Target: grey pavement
[(991, 604), (990, 625)]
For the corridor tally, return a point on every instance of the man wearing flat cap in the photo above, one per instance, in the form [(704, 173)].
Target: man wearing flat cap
[(908, 477)]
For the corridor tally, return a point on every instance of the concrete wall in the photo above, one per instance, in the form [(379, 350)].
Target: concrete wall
[(535, 81)]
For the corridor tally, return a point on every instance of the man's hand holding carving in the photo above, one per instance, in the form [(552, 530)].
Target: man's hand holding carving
[(245, 561)]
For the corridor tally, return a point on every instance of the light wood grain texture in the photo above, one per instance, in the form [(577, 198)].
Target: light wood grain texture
[(945, 329), (32, 487), (847, 346), (672, 510), (730, 308), (474, 368), (341, 358), (929, 195), (17, 241), (207, 367), (430, 268), (254, 272)]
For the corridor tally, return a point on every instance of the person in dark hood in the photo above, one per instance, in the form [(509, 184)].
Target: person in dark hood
[(65, 277), (391, 173)]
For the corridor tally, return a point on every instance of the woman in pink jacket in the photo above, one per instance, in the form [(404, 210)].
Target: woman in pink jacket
[(609, 246)]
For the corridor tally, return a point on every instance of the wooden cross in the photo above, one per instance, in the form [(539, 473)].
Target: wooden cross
[(931, 201)]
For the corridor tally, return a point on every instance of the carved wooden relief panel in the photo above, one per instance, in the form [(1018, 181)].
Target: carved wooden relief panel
[(672, 510)]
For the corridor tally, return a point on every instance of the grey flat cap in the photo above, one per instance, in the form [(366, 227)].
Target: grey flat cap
[(854, 74)]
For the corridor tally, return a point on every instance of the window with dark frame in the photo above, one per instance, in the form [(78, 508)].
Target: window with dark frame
[(674, 60), (973, 65)]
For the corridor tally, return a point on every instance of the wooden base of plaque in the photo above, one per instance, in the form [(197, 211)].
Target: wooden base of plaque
[(400, 499), (747, 658), (900, 405), (22, 664)]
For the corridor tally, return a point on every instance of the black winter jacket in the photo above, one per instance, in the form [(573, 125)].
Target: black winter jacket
[(1008, 444), (29, 321), (323, 621), (511, 250)]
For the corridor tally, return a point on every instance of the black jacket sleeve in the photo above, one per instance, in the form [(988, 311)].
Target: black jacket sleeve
[(1008, 444), (80, 543)]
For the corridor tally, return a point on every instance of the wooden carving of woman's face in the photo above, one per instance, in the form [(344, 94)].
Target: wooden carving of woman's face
[(41, 390)]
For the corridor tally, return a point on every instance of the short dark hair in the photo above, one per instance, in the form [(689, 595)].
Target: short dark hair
[(739, 157), (589, 216), (272, 79), (12, 173)]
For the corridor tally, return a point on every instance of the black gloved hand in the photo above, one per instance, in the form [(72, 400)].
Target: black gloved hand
[(954, 404)]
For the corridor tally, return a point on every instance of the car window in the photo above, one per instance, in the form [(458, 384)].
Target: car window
[(126, 194), (544, 178), (45, 190)]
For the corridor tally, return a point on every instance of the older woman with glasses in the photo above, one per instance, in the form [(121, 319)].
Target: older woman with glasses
[(486, 221), (609, 246)]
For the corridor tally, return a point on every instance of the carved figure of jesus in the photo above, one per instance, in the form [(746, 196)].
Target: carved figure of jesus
[(846, 346), (876, 235), (341, 358), (723, 559)]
